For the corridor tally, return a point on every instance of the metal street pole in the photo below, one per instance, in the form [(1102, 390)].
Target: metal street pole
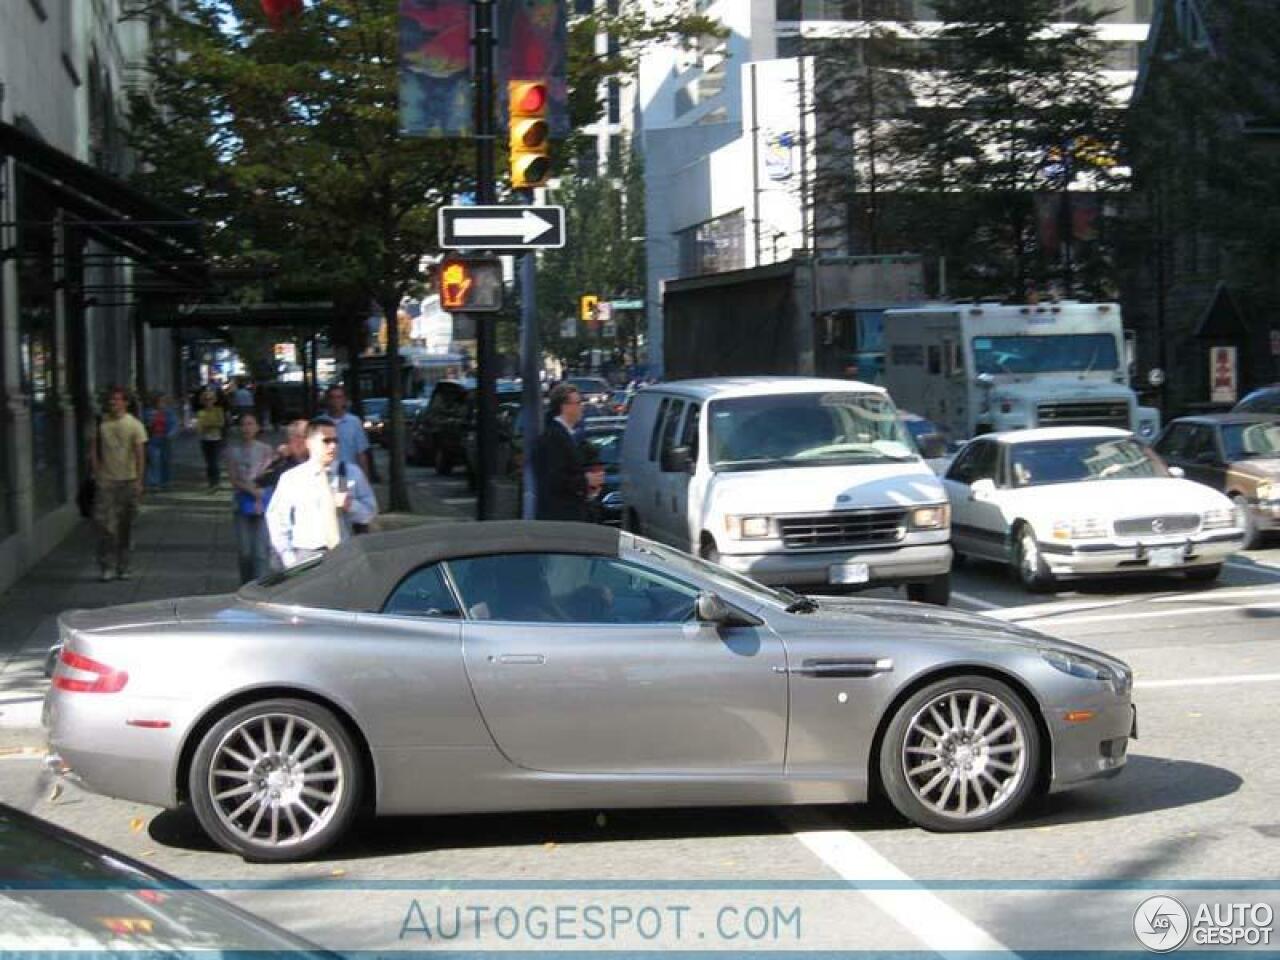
[(531, 406), (486, 407)]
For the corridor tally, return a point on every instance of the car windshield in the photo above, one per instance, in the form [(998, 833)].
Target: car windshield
[(1087, 458), (1251, 441), (1059, 352), (374, 407), (608, 445), (681, 564), (806, 429)]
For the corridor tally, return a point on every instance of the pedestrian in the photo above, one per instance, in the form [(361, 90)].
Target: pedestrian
[(559, 479), (316, 503), (353, 443), (162, 425), (593, 470), (211, 420), (245, 458), (287, 456), (117, 457)]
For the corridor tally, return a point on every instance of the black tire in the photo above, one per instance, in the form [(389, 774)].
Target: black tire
[(936, 591), (708, 552), (1205, 574), (901, 744), (443, 462), (1032, 572), (1252, 535), (345, 770)]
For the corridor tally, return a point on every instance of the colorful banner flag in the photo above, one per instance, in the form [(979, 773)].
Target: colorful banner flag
[(435, 68), (533, 44)]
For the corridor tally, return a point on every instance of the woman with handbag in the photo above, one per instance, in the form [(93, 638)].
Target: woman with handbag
[(245, 458)]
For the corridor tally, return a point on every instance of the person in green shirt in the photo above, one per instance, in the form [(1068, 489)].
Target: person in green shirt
[(117, 456)]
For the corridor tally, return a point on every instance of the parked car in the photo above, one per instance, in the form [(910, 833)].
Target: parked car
[(1262, 400), (605, 436), (510, 441), (1237, 454), (1062, 502), (374, 414), (62, 894), (521, 665), (436, 436), (594, 390), (794, 481)]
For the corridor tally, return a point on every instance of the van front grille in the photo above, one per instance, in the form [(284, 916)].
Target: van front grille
[(855, 528)]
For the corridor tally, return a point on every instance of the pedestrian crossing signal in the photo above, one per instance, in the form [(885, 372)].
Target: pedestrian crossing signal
[(530, 132), (588, 306), (470, 285)]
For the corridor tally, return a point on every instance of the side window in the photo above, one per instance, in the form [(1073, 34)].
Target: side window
[(975, 462), (1174, 443), (985, 460), (657, 428), (689, 436), (424, 593), (1201, 447), (569, 588), (672, 425), (962, 465), (935, 359)]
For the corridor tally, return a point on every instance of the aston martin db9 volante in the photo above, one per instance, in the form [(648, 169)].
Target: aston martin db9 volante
[(519, 666)]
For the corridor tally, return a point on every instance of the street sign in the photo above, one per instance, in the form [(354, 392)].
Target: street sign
[(501, 228), (627, 304)]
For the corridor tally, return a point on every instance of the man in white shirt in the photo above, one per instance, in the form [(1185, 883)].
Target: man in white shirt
[(316, 502)]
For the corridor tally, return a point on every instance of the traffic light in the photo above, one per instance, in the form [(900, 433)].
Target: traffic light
[(530, 132), (470, 284), (587, 305)]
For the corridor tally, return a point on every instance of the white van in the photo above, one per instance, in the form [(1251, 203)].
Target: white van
[(793, 481)]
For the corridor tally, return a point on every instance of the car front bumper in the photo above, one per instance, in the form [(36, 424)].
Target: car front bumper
[(1095, 749), (1265, 513), (904, 564), (1124, 556)]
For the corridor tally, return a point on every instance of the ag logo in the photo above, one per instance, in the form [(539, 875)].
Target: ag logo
[(1161, 924)]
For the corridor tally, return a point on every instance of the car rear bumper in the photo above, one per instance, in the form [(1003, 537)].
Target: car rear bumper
[(1081, 559), (808, 569)]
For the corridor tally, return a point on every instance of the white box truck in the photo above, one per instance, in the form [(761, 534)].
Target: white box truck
[(975, 368)]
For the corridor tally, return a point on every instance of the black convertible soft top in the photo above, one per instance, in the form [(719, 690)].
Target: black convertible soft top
[(360, 574)]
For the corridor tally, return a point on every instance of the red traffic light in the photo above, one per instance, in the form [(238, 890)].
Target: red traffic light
[(529, 98)]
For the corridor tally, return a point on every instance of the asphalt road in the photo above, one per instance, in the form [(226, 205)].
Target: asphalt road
[(1195, 808)]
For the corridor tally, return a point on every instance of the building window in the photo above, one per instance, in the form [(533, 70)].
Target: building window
[(614, 101), (615, 155), (713, 247), (589, 160)]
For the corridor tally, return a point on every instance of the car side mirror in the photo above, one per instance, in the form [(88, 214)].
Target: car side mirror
[(677, 460), (711, 609), (1177, 472), (932, 446), (982, 490)]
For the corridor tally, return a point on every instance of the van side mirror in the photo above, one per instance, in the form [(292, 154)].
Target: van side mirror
[(677, 460)]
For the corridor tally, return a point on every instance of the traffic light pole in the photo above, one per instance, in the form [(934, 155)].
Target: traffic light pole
[(531, 401), (485, 323)]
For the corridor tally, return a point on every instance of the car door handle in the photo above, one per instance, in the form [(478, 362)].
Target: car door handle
[(842, 667), (530, 659)]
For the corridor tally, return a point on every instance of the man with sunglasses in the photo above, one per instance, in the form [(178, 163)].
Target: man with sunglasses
[(317, 502)]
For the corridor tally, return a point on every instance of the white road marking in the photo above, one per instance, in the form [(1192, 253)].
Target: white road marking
[(1034, 611), (1207, 681), (1156, 614), (938, 925), (976, 602), (1246, 593)]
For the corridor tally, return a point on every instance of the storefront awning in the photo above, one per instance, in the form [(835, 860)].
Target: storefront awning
[(110, 211)]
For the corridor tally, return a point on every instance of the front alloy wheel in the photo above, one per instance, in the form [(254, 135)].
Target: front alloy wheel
[(1028, 562), (961, 754), (276, 781)]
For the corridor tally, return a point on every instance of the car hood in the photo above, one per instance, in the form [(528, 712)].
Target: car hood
[(1141, 497), (824, 489)]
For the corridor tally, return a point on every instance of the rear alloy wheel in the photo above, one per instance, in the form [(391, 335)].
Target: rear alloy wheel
[(1252, 535), (1028, 563), (961, 754), (936, 591), (276, 781)]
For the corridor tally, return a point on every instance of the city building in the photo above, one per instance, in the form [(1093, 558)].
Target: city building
[(76, 245), (730, 130)]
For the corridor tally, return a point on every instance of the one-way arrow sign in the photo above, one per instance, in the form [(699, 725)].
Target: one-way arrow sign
[(501, 228)]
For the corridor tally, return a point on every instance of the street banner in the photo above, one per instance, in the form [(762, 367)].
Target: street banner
[(1223, 375), (533, 44), (435, 68)]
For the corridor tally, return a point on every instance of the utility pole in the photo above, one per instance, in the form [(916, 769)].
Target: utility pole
[(486, 407), (531, 400)]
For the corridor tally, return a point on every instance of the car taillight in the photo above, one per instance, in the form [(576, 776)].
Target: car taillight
[(80, 674)]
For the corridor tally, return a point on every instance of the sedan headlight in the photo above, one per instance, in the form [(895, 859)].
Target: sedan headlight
[(1220, 518), (931, 518), (748, 528), (1079, 528), (1266, 490), (1086, 668)]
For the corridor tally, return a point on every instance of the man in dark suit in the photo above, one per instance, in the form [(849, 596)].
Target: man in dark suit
[(559, 473)]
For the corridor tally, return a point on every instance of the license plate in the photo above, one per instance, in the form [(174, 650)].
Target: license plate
[(849, 573), (1164, 557)]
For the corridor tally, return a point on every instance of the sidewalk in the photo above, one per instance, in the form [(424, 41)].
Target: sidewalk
[(184, 544)]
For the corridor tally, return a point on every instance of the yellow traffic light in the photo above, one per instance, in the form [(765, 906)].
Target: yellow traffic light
[(587, 304), (530, 132)]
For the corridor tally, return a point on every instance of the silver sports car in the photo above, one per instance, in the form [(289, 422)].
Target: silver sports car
[(519, 666)]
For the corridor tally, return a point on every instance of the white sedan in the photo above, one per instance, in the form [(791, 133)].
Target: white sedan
[(1084, 501)]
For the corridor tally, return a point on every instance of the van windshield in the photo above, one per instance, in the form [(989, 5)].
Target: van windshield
[(806, 429)]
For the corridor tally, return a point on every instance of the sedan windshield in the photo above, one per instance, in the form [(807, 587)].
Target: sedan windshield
[(1070, 352), (1087, 458), (806, 429), (1251, 441)]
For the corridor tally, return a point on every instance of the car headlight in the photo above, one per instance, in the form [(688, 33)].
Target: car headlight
[(931, 518), (1079, 528), (1220, 518), (1266, 490), (748, 528), (1087, 668)]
